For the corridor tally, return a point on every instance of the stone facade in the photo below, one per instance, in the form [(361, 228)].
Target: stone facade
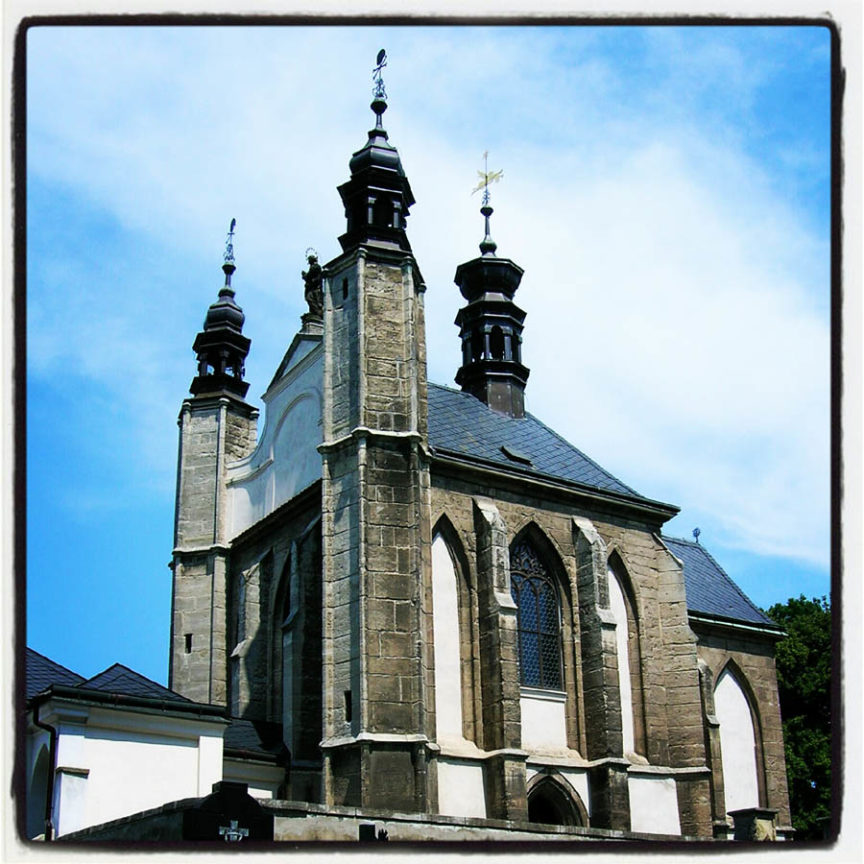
[(580, 543), (214, 430), (752, 659), (312, 606), (375, 534)]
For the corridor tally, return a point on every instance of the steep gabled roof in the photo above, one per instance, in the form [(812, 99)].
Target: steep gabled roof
[(121, 679), (710, 591), (462, 425), (41, 673)]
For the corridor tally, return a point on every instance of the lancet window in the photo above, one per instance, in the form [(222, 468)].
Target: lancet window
[(539, 619)]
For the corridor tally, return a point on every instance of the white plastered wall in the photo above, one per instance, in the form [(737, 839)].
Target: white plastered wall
[(619, 611), (448, 662), (460, 788), (544, 727), (286, 459), (737, 744), (113, 763), (263, 780), (653, 804)]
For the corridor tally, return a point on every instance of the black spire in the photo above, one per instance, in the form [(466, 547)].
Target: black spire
[(221, 346), (490, 325), (378, 195)]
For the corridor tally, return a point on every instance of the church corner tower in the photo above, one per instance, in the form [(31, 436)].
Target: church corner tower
[(217, 426), (490, 325), (375, 496)]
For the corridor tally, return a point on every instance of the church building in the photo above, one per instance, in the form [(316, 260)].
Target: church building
[(402, 610)]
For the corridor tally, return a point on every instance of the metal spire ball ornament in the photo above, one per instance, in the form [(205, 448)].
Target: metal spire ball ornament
[(488, 246)]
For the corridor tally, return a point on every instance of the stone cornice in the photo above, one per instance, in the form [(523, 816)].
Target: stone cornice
[(494, 474)]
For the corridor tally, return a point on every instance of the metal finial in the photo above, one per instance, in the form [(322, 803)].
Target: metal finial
[(379, 92), (488, 246), (696, 533), (486, 177), (229, 244)]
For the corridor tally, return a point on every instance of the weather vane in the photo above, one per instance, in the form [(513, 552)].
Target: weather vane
[(379, 92), (229, 243), (486, 177), (696, 533)]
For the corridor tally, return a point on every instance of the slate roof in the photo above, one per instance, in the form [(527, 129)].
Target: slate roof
[(254, 737), (41, 673), (461, 424), (121, 679), (709, 590)]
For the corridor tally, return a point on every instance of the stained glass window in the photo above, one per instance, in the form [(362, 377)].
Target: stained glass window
[(539, 619)]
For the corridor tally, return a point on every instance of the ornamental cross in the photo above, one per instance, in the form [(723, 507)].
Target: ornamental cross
[(486, 177), (381, 62), (232, 833)]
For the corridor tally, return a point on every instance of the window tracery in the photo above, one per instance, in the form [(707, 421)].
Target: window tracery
[(539, 619)]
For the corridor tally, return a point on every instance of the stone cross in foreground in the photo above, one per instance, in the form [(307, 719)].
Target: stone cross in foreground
[(232, 833)]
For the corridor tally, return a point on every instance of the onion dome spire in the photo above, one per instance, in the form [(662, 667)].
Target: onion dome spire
[(378, 195), (221, 346), (490, 325)]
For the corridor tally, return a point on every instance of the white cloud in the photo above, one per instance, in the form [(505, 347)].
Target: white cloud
[(676, 328)]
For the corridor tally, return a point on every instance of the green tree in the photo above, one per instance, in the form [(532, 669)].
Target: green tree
[(804, 681)]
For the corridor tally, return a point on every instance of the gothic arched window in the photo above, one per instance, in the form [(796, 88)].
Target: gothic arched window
[(539, 619)]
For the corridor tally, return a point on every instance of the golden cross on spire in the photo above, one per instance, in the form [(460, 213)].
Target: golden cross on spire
[(486, 177)]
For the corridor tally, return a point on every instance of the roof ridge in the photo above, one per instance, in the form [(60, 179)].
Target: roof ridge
[(122, 667), (682, 540)]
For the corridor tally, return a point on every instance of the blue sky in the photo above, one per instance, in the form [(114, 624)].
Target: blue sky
[(665, 189)]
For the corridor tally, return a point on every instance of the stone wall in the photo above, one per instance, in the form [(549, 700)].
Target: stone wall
[(376, 639), (577, 542), (752, 660), (213, 431)]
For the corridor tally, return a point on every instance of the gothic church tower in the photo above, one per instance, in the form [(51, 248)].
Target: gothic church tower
[(217, 426), (375, 497)]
